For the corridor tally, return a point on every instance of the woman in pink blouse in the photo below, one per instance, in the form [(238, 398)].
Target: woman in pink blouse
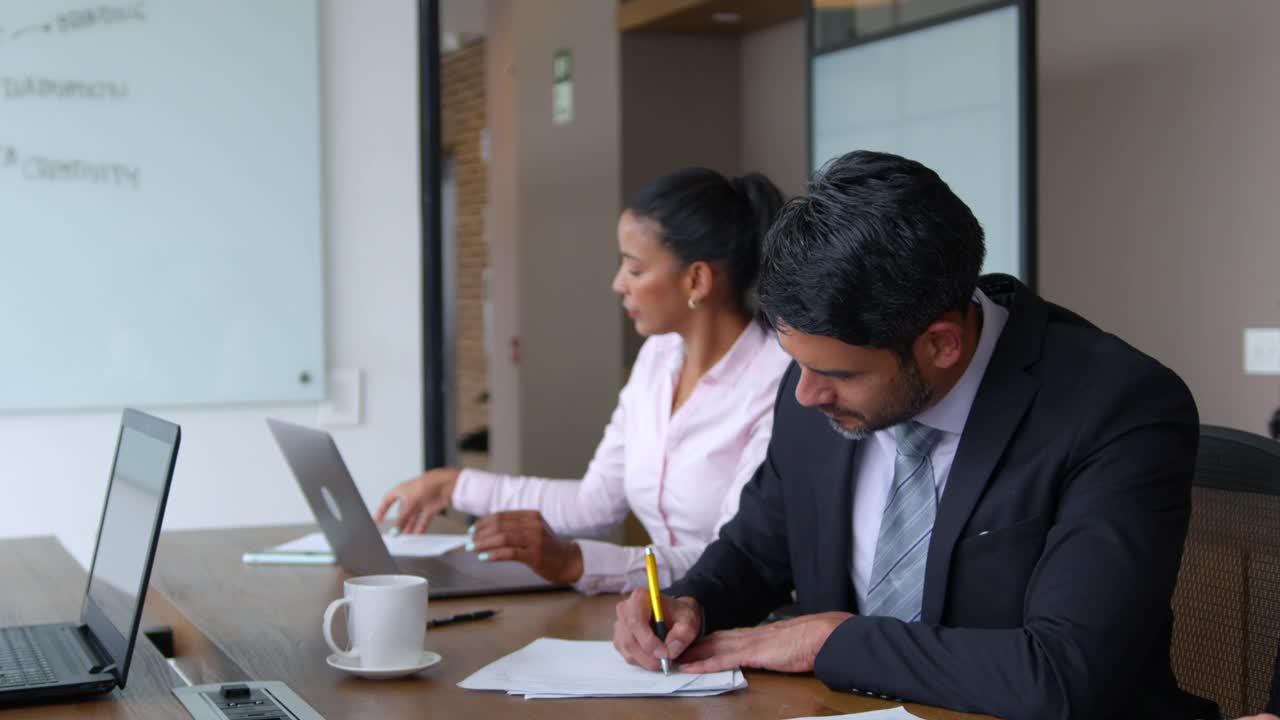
[(692, 423)]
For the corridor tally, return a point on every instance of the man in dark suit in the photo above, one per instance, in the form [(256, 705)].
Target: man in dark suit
[(978, 498)]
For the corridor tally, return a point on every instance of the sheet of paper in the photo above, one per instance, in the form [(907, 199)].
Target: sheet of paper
[(703, 686), (400, 546), (898, 713), (572, 668), (428, 545), (312, 543)]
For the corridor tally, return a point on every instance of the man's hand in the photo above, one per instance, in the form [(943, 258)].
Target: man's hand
[(524, 536), (419, 499), (786, 646), (633, 632)]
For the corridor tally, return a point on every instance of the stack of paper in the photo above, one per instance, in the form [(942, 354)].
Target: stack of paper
[(897, 713), (548, 668), (314, 548)]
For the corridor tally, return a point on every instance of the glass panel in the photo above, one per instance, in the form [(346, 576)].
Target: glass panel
[(839, 22), (947, 96)]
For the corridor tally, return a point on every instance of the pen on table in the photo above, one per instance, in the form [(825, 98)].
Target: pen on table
[(461, 617), (659, 625)]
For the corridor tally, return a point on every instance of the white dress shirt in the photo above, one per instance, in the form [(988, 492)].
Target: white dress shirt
[(873, 461)]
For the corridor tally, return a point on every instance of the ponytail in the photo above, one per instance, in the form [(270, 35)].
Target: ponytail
[(706, 217)]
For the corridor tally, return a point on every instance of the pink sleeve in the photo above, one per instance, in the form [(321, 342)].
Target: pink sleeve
[(613, 568), (587, 508)]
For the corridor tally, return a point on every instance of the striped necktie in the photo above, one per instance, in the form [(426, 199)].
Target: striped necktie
[(897, 572)]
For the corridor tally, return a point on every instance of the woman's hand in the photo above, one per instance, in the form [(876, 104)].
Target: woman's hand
[(419, 499), (523, 535)]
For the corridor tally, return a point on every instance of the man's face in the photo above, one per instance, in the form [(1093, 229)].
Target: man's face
[(860, 390)]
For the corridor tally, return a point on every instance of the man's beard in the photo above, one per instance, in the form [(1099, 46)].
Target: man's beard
[(911, 396)]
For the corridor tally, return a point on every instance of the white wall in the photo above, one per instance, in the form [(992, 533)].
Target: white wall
[(54, 466), (553, 210), (1158, 159), (570, 329), (773, 105)]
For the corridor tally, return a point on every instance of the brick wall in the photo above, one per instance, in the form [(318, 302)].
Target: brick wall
[(462, 109)]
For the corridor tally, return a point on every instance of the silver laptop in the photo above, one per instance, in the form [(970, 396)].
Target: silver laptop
[(40, 663), (358, 547)]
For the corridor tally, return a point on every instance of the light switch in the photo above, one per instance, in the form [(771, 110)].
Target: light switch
[(1262, 351), (345, 398)]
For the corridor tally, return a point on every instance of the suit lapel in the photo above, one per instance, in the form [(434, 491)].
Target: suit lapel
[(833, 483), (1004, 395)]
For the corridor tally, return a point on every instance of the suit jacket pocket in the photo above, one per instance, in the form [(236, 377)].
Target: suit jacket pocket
[(989, 573)]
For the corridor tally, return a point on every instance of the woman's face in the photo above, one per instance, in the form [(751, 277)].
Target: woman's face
[(649, 278)]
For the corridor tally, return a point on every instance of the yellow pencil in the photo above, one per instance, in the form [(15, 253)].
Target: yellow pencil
[(659, 625)]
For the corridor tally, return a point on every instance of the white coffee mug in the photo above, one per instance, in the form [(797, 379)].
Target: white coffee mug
[(386, 621)]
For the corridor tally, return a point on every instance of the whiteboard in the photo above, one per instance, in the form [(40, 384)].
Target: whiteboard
[(160, 203), (946, 96)]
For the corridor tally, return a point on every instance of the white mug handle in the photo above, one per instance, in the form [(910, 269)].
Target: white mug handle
[(351, 655)]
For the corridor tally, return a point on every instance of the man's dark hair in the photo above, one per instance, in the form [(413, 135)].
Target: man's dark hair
[(877, 250)]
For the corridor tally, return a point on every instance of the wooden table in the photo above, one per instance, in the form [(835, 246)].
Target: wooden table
[(43, 584), (263, 623)]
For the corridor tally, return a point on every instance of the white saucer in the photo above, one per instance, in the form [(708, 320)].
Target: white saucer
[(427, 660)]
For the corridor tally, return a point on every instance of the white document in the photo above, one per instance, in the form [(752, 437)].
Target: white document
[(704, 685), (312, 543), (898, 713), (429, 545), (404, 545), (550, 668)]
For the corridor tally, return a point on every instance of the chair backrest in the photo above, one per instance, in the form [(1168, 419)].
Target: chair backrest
[(1273, 707), (1227, 604)]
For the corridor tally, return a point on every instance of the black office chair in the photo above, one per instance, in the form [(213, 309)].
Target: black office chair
[(1273, 707), (1226, 607)]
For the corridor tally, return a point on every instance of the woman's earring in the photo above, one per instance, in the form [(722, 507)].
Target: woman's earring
[(693, 304)]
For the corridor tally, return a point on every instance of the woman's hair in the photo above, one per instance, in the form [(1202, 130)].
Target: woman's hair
[(702, 215)]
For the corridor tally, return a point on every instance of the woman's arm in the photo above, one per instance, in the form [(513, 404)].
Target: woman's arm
[(589, 507), (613, 568)]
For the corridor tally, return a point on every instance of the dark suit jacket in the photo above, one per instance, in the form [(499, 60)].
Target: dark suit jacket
[(1055, 549)]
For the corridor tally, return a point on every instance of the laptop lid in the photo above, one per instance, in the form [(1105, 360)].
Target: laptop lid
[(132, 514), (358, 546), (334, 499)]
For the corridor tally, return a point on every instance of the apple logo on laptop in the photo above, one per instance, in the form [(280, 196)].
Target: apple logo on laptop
[(331, 503)]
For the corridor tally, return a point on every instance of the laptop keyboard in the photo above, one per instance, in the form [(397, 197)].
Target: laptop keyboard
[(21, 662)]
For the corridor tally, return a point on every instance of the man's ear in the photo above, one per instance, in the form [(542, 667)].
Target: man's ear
[(942, 343)]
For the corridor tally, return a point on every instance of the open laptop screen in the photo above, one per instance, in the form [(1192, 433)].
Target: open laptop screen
[(126, 538)]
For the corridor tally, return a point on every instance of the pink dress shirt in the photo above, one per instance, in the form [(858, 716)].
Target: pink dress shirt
[(681, 474)]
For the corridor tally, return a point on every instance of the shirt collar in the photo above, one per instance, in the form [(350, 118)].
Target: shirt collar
[(950, 413), (732, 363)]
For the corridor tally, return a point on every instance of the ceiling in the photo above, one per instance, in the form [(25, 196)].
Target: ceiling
[(727, 17)]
